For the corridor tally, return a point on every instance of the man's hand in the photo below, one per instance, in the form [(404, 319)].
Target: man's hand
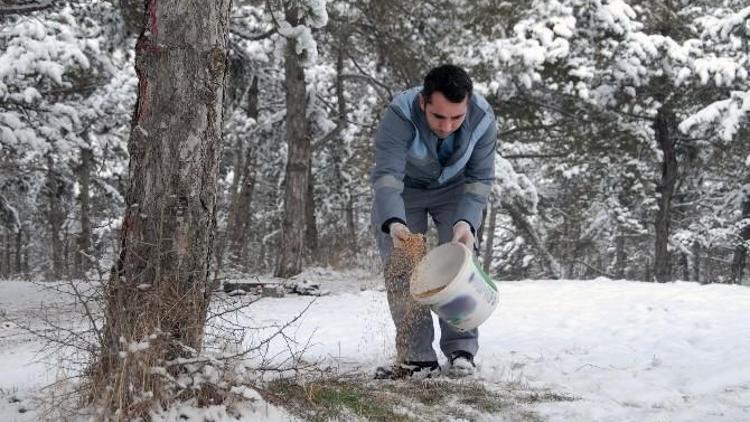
[(399, 233), (462, 234)]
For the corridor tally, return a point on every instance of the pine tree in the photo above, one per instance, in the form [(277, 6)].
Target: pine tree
[(160, 289)]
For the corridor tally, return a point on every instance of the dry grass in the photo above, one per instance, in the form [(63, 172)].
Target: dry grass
[(150, 350), (350, 397), (330, 399)]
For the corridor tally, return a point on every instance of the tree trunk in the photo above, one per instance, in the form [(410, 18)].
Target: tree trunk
[(26, 267), (82, 257), (293, 230), (239, 222), (160, 286), (351, 226), (19, 250), (243, 217), (55, 218), (696, 262), (6, 268), (620, 255), (549, 263), (490, 242), (247, 224), (223, 246), (66, 250), (311, 227), (685, 264), (740, 251), (479, 235), (572, 249), (665, 129), (4, 272)]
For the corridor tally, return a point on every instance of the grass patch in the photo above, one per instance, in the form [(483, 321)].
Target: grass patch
[(547, 396), (346, 398), (329, 399), (467, 399)]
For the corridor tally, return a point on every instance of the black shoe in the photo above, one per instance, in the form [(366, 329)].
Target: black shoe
[(461, 364), (409, 369)]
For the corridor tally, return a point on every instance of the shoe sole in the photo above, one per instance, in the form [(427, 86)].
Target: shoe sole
[(387, 373)]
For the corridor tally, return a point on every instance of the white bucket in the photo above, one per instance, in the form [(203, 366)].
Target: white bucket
[(450, 280)]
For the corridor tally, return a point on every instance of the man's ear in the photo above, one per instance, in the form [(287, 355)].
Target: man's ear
[(421, 102)]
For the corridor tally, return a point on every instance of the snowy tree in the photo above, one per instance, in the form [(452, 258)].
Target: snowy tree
[(636, 69), (158, 296), (300, 50), (64, 100), (251, 130), (617, 114)]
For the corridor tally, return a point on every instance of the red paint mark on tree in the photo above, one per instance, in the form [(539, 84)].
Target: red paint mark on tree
[(144, 48), (146, 45), (144, 100), (153, 19), (129, 225), (142, 106)]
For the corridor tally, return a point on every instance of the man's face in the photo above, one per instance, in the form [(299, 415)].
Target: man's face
[(443, 116)]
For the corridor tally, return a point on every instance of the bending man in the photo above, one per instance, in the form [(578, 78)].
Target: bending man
[(434, 157)]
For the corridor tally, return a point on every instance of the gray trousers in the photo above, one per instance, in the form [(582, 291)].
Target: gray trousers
[(414, 329)]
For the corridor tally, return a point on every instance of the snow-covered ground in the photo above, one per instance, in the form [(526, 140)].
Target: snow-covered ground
[(627, 351)]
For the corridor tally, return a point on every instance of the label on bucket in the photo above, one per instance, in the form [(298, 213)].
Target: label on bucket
[(484, 275), (463, 307), (468, 297), (489, 295), (457, 309)]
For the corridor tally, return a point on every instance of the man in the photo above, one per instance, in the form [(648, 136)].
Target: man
[(434, 156)]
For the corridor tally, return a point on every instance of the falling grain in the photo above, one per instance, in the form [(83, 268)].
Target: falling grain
[(399, 271)]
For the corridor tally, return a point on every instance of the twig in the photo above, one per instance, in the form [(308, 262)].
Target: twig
[(24, 8), (89, 315)]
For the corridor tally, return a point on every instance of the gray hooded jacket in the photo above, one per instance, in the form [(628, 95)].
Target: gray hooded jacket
[(406, 155)]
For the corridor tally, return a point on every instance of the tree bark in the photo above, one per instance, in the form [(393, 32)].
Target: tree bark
[(247, 224), (160, 287), (82, 257), (238, 226), (6, 268), (620, 256), (549, 263), (740, 251), (351, 225), (696, 262), (66, 241), (685, 264), (490, 242), (18, 252), (243, 217), (665, 129), (311, 227), (55, 218), (223, 246), (293, 230)]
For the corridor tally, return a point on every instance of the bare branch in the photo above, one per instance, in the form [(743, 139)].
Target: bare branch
[(240, 32), (601, 272), (527, 129), (22, 9), (89, 315), (522, 156)]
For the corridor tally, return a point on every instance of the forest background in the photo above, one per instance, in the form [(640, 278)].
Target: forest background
[(623, 145)]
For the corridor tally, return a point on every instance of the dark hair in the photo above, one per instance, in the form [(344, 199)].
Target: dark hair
[(450, 80)]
